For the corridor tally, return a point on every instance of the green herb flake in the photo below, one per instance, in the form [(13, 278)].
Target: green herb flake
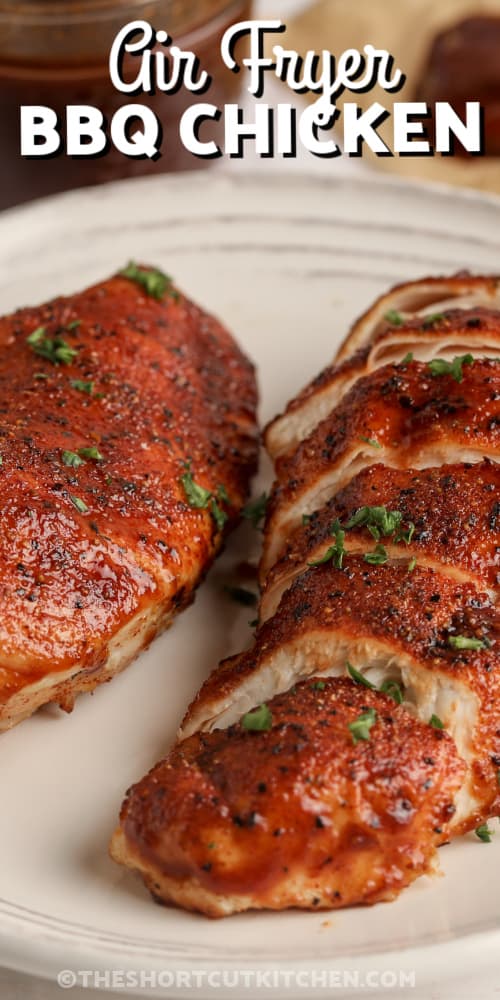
[(371, 441), (87, 387), (466, 642), (318, 686), (241, 596), (394, 318), (75, 323), (220, 517), (407, 358), (378, 557), (358, 677), (197, 496), (80, 505), (435, 722), (40, 375), (484, 833), (1, 459), (412, 563), (71, 459), (360, 728), (432, 318), (393, 690), (384, 522), (53, 349), (258, 720), (336, 552), (92, 453), (154, 281), (255, 510), (454, 368)]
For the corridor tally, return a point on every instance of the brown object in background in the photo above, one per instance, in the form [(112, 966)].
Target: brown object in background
[(55, 54), (464, 65)]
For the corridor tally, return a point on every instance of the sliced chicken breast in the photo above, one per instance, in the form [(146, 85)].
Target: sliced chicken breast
[(436, 335), (406, 416), (447, 518), (437, 639), (317, 809)]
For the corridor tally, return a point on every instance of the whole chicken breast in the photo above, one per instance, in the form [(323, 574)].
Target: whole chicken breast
[(304, 812), (128, 438)]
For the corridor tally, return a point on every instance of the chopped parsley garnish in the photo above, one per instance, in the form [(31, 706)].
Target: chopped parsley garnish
[(306, 518), (407, 535), (219, 515), (40, 375), (360, 728), (393, 690), (197, 496), (435, 722), (371, 441), (1, 459), (407, 358), (255, 510), (379, 521), (87, 387), (432, 318), (91, 452), (388, 687), (154, 281), (359, 678), (336, 552), (258, 720), (54, 349), (378, 556), (242, 596), (466, 642), (75, 323), (412, 563), (484, 833), (71, 459), (79, 504), (454, 368), (318, 686), (394, 317)]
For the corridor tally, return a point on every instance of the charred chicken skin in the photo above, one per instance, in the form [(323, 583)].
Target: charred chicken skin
[(379, 580), (128, 439)]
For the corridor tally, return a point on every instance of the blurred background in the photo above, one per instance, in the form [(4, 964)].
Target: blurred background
[(55, 52)]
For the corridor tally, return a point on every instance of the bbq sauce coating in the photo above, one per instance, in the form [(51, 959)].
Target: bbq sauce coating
[(158, 388), (297, 815)]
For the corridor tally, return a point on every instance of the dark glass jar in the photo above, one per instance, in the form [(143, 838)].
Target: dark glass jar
[(56, 52)]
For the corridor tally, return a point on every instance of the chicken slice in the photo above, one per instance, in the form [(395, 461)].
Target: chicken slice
[(316, 810), (406, 416), (390, 625), (447, 518), (427, 296), (438, 335), (128, 441)]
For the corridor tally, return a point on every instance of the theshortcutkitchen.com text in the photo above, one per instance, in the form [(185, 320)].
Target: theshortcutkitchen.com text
[(321, 127)]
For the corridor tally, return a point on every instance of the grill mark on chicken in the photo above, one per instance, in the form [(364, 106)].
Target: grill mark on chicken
[(453, 509), (295, 816), (400, 415), (97, 557)]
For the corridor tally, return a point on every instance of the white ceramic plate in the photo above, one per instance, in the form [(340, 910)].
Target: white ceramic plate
[(287, 264)]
